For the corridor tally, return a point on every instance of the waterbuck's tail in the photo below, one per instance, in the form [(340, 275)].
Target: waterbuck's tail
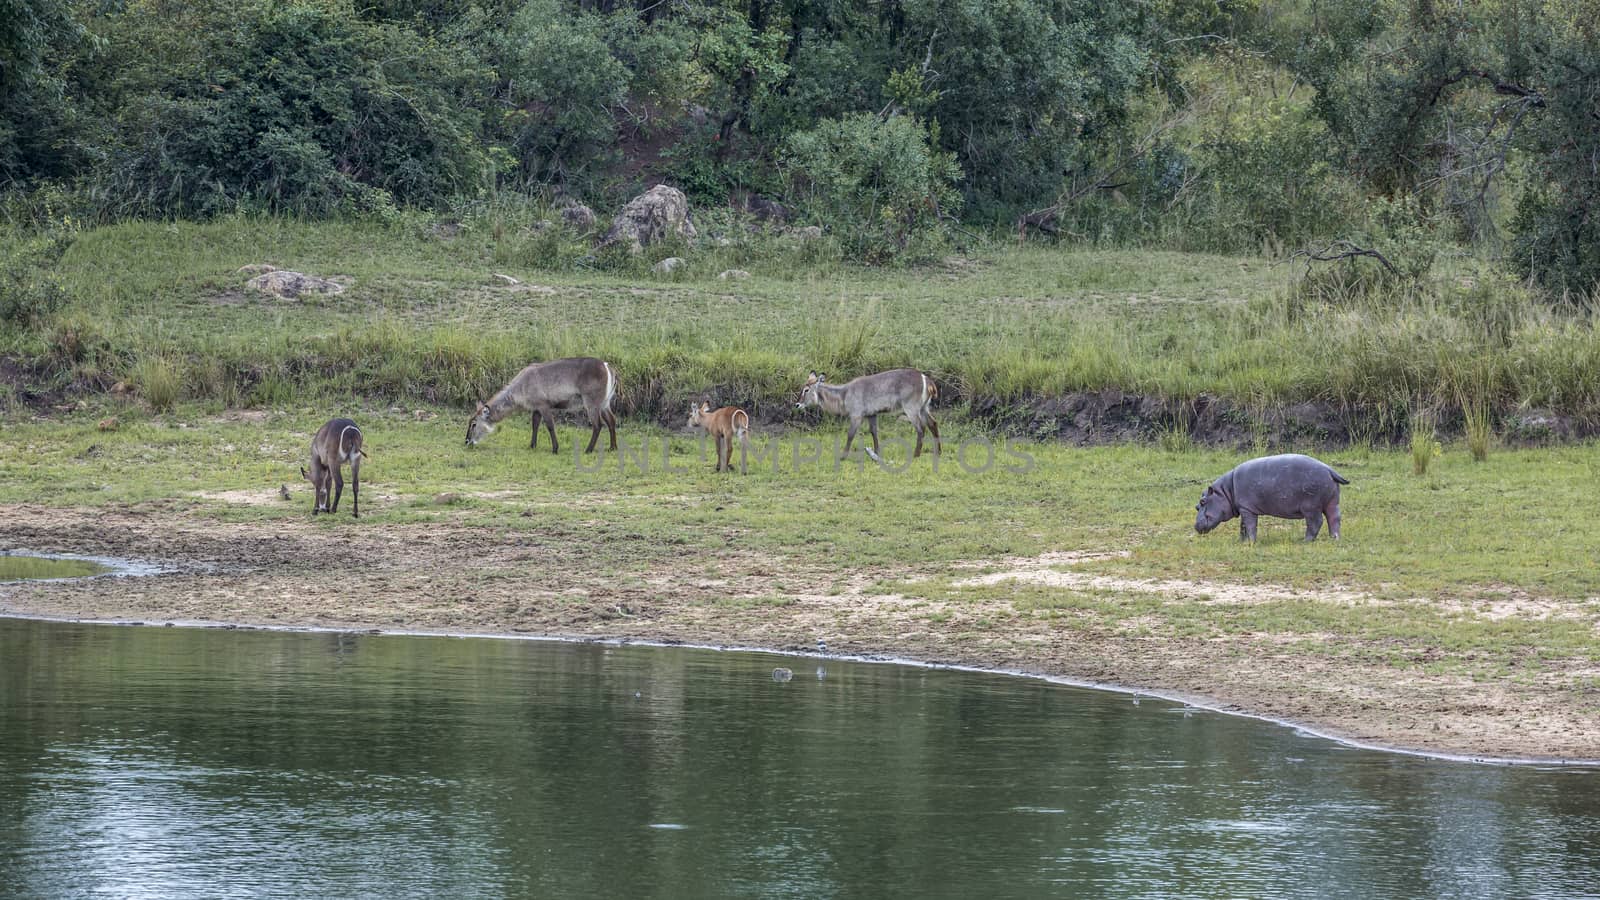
[(1340, 479), (741, 424), (929, 391), (611, 385)]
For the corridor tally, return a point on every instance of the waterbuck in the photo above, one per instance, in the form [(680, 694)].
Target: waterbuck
[(864, 398), (546, 387), (725, 425), (336, 443)]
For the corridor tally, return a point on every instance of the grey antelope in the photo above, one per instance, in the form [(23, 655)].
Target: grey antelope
[(725, 425), (336, 443), (862, 399), (546, 387)]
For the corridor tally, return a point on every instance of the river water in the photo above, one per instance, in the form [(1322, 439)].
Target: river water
[(174, 762)]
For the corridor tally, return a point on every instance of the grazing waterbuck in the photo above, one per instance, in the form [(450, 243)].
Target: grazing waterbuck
[(546, 387), (864, 398), (336, 443), (725, 425)]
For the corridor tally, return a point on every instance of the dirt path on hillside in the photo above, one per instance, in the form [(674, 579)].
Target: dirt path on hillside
[(460, 578)]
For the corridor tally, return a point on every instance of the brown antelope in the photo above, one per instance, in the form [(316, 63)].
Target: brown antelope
[(725, 425), (335, 444), (862, 399), (546, 387)]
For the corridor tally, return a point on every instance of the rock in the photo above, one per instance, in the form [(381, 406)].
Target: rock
[(109, 423), (445, 230), (649, 218), (122, 387), (805, 234), (768, 210), (446, 498), (288, 285), (255, 269), (667, 266), (578, 217), (505, 279), (732, 275), (781, 675)]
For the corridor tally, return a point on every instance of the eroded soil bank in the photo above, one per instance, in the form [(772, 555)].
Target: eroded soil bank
[(478, 579)]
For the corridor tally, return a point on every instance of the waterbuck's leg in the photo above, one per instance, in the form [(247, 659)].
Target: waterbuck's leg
[(744, 452), (338, 486), (933, 426), (355, 486), (872, 429), (533, 443), (1332, 511), (611, 423), (595, 421), (319, 487), (850, 436), (722, 453), (550, 426)]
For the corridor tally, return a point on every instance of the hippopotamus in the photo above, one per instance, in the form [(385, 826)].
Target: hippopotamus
[(1289, 486)]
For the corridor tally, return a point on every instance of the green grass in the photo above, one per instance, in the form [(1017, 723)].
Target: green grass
[(1425, 555), (423, 320), (1465, 530), (424, 329)]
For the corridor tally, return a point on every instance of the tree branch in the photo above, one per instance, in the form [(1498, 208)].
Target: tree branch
[(1342, 249)]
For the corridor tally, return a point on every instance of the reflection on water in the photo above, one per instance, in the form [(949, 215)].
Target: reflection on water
[(178, 763), (20, 568)]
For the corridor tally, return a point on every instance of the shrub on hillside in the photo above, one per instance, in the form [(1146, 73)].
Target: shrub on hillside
[(878, 184), (212, 107)]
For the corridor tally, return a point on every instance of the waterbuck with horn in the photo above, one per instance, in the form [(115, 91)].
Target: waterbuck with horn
[(336, 443), (546, 387), (862, 399)]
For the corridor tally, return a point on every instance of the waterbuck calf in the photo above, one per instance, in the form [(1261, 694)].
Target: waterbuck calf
[(546, 387), (335, 444), (725, 425), (863, 399)]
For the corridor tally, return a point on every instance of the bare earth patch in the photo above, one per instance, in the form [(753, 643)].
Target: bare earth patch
[(444, 576)]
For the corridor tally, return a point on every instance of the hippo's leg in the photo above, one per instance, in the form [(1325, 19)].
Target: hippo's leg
[(1313, 524), (1332, 511), (1247, 526)]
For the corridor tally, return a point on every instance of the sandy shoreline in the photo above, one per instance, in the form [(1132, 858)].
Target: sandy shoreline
[(473, 580)]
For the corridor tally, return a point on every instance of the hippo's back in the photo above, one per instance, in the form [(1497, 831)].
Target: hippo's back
[(1285, 470)]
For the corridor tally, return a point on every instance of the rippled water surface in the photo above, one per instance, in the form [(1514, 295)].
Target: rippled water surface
[(146, 762)]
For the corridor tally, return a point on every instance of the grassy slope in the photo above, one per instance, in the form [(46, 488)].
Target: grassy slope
[(424, 320)]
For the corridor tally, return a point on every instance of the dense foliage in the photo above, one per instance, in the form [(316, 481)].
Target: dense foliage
[(1232, 125)]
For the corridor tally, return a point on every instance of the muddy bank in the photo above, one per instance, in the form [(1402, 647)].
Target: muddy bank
[(1093, 418), (441, 577)]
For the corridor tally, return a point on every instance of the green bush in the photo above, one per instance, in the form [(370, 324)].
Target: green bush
[(30, 293), (876, 183), (562, 86), (214, 106)]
